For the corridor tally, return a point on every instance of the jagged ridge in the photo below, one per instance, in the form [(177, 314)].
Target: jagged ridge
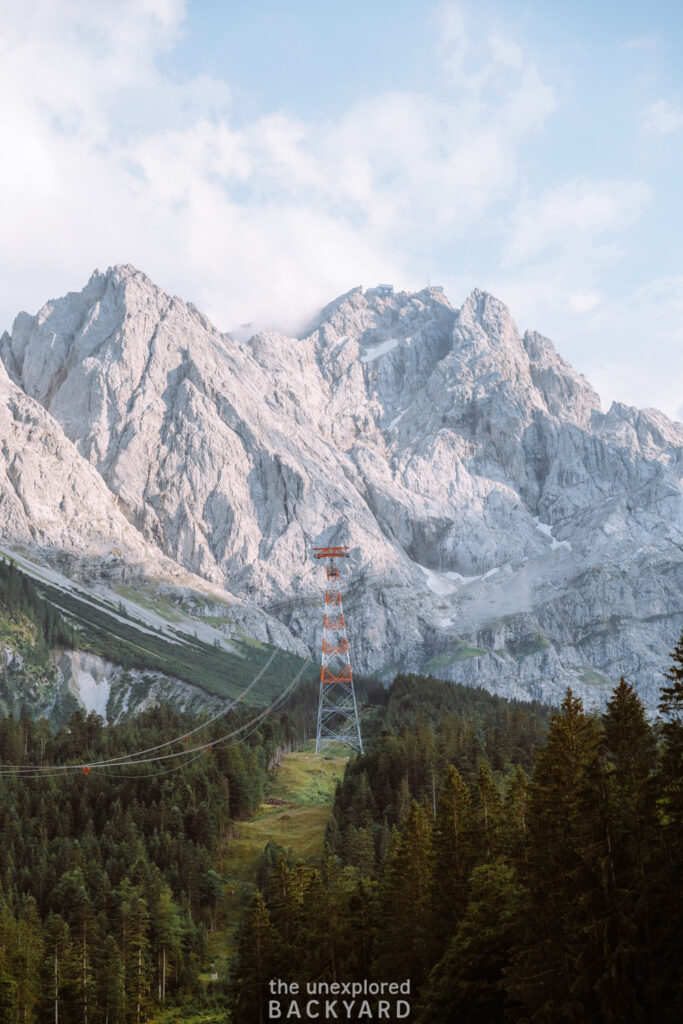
[(438, 443)]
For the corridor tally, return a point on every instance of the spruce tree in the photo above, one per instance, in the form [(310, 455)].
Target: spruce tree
[(55, 973), (488, 812), (629, 757), (258, 953), (111, 997), (671, 765), (404, 939), (27, 956), (468, 982), (516, 813), (361, 917), (454, 855), (168, 927), (560, 956), (670, 897)]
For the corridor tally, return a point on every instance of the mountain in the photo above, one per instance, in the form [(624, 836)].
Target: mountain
[(504, 531)]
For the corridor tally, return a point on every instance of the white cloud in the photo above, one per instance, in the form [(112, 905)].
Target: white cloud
[(663, 117), (574, 215), (559, 274), (636, 346), (583, 302), (489, 70), (105, 160), (506, 51)]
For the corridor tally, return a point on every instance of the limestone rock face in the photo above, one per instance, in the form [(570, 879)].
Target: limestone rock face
[(50, 495), (504, 531)]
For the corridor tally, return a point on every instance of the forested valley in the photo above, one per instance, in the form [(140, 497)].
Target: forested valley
[(516, 863), (510, 877), (110, 881)]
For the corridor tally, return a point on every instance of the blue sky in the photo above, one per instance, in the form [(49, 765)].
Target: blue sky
[(260, 159)]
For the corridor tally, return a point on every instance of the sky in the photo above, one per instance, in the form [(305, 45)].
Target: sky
[(260, 159)]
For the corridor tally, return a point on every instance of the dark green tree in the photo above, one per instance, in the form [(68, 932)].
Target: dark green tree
[(561, 951), (629, 758), (669, 908), (468, 983), (404, 940), (488, 812), (454, 856), (56, 974), (168, 928), (258, 963)]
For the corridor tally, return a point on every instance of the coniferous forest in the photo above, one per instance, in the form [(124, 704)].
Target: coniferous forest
[(110, 882), (516, 863), (508, 883)]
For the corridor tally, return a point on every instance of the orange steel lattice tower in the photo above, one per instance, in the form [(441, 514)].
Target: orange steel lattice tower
[(337, 709)]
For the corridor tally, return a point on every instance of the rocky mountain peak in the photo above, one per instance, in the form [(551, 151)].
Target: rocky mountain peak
[(83, 355), (566, 393), (526, 373), (644, 431), (80, 326), (486, 341), (488, 319), (483, 494), (348, 301)]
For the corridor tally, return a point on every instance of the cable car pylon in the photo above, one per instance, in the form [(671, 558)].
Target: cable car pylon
[(337, 709)]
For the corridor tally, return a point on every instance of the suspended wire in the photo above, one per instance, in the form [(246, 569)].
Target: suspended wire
[(45, 771), (35, 771), (151, 775), (178, 767), (122, 758), (209, 721), (230, 739)]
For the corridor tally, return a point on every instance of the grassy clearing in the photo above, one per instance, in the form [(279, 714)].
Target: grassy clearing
[(593, 677), (153, 601), (306, 782), (460, 652), (216, 620), (520, 649)]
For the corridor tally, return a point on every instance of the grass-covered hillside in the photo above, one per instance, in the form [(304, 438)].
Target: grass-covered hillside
[(291, 821), (36, 616)]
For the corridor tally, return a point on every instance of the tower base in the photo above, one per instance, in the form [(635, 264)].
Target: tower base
[(338, 717)]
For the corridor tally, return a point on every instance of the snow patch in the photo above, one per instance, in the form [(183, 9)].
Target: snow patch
[(444, 583), (471, 579), (491, 572), (437, 581), (378, 350), (397, 419), (546, 530), (92, 694)]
